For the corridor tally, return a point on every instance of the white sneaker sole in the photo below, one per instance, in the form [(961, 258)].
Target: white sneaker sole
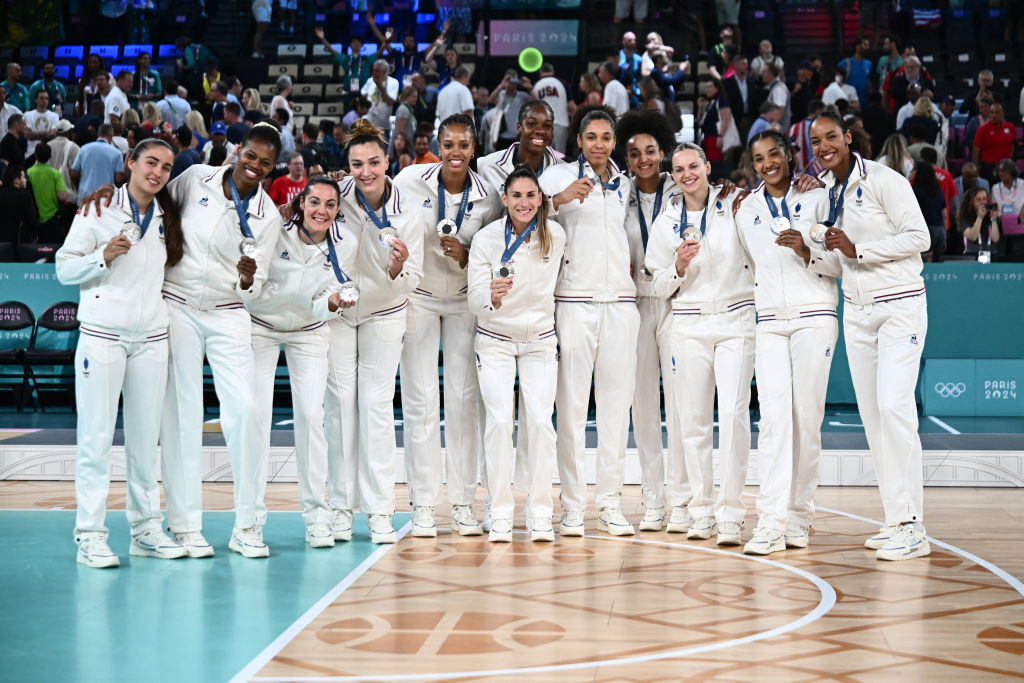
[(249, 551), (320, 541), (615, 529), (385, 538), (727, 539), (545, 536), (677, 528), (104, 562), (564, 530), (764, 549), (902, 553), (424, 531), (652, 525), (466, 530), (796, 541), (499, 536), (198, 551), (172, 553), (876, 542), (700, 534), (342, 535)]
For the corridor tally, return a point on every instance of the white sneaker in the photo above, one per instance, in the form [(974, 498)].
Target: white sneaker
[(501, 530), (728, 533), (486, 524), (702, 528), (93, 551), (381, 530), (249, 542), (464, 521), (654, 519), (765, 542), (680, 520), (341, 525), (195, 544), (423, 525), (797, 536), (612, 521), (882, 537), (541, 529), (572, 523), (319, 535), (905, 543), (155, 543)]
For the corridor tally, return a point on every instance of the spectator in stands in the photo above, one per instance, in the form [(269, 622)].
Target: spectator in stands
[(7, 110), (153, 122), (768, 120), (873, 13), (146, 85), (354, 69), (978, 221), (382, 91), (17, 93), (50, 193), (281, 100), (405, 118), (456, 97), (173, 108), (715, 118), (261, 12), (426, 98), (87, 87), (218, 155), (799, 135), (115, 102), (14, 143), (878, 122), (408, 61), (196, 124), (63, 152), (651, 96), (508, 99), (985, 103), (947, 106), (968, 178), (933, 208), (765, 55), (911, 75), (401, 153), (360, 106), (189, 67), (718, 60), (630, 64), (660, 74), (218, 136), (235, 92), (98, 163), (551, 90), (930, 155), (134, 136), (1008, 192), (839, 89), (914, 94), (623, 8), (251, 100), (280, 117), (590, 90), (802, 90), (288, 15), (742, 94), (654, 44), (284, 189), (922, 115), (87, 125), (614, 94), (858, 71), (896, 156), (421, 147), (41, 123), (236, 126), (447, 68), (727, 12), (119, 141), (993, 142), (918, 142), (18, 207), (890, 61), (187, 154), (312, 152), (211, 76), (777, 92), (53, 87), (219, 98), (986, 86)]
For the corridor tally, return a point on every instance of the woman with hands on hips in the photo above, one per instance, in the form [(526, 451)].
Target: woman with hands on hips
[(513, 269)]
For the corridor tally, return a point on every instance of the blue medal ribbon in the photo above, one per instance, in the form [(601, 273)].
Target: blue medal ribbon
[(607, 186), (835, 205), (381, 222), (241, 207), (771, 205), (462, 204), (144, 223), (703, 217), (332, 255), (510, 250), (654, 212), (515, 160)]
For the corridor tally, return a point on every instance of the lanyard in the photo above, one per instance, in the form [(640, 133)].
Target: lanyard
[(515, 160), (1002, 192), (381, 222), (607, 186), (703, 217), (144, 223), (241, 207), (654, 212), (462, 204), (332, 255), (835, 206), (510, 251), (771, 204)]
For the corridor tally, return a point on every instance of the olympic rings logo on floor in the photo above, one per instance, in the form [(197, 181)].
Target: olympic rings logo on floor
[(950, 389)]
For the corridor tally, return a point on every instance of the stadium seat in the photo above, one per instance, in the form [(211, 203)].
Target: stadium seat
[(330, 109), (267, 90), (108, 52), (62, 72), (291, 53), (35, 53), (302, 109), (321, 55), (168, 51), (317, 73), (69, 53), (333, 91), (276, 70), (132, 51), (307, 91)]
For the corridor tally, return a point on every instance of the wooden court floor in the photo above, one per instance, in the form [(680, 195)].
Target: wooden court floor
[(657, 607)]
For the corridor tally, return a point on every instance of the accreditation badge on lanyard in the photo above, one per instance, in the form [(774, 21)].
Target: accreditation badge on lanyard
[(248, 246)]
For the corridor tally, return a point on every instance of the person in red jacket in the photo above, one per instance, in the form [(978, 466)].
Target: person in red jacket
[(286, 188), (993, 142)]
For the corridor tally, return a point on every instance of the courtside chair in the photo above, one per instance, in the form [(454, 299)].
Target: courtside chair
[(108, 52), (50, 360), (16, 325)]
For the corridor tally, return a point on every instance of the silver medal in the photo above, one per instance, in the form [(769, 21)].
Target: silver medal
[(349, 292), (778, 225), (248, 247), (596, 179), (132, 231), (447, 227), (506, 270), (692, 232), (387, 236), (818, 233), (645, 274)]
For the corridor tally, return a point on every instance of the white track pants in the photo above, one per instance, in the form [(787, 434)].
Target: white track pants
[(596, 342), (654, 363), (884, 342), (715, 351), (449, 325), (360, 414), (538, 371), (306, 354), (139, 371), (226, 340), (792, 363)]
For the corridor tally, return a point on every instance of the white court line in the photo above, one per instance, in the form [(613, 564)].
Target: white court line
[(827, 602), (279, 643), (943, 424)]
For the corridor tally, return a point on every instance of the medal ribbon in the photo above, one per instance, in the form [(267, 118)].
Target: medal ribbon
[(835, 206), (462, 204), (771, 205), (515, 160), (241, 207), (654, 212), (511, 250), (144, 223), (332, 255), (607, 186), (703, 217), (381, 222)]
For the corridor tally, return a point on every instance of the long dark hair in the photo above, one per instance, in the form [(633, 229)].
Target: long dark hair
[(861, 141), (967, 214), (543, 234), (782, 141), (924, 177), (296, 203), (174, 239)]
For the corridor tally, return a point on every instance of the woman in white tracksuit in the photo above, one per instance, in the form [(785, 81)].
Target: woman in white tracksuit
[(532, 146), (597, 321), (795, 339), (644, 137), (118, 258), (446, 203), (366, 342), (303, 290), (695, 258), (513, 268), (876, 235)]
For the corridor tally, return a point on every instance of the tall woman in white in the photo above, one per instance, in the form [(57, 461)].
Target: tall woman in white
[(308, 284), (795, 339), (366, 342), (876, 233), (446, 203), (597, 321), (532, 146), (513, 268), (118, 259), (695, 258)]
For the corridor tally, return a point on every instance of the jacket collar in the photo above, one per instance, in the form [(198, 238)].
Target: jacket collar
[(257, 207), (477, 190), (121, 198)]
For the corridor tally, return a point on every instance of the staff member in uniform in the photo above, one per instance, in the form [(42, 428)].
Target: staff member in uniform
[(596, 320), (447, 203), (795, 339), (513, 268), (303, 290), (118, 259), (532, 146), (695, 258), (645, 136), (366, 341), (876, 234)]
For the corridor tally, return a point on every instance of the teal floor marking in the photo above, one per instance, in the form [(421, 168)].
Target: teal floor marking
[(154, 620)]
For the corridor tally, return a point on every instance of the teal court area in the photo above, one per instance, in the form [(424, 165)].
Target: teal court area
[(155, 620)]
